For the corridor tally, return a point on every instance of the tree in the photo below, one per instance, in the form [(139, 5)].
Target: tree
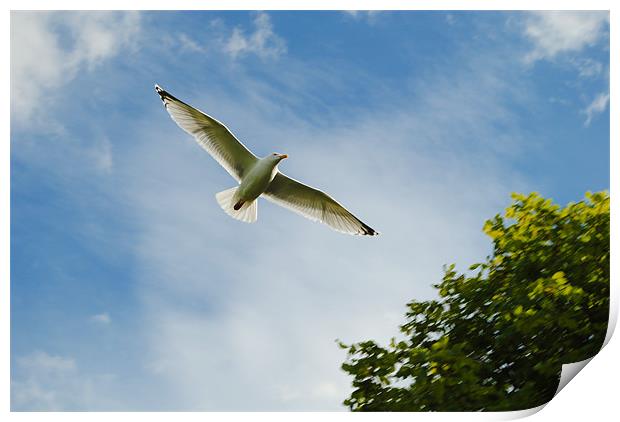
[(497, 337)]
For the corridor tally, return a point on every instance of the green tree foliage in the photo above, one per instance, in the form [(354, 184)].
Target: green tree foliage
[(498, 336)]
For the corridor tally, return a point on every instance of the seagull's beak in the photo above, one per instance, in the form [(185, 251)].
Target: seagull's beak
[(283, 156)]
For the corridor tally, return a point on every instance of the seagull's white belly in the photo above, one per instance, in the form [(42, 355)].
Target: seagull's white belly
[(256, 181)]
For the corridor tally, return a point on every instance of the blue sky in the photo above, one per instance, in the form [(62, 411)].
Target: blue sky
[(132, 290)]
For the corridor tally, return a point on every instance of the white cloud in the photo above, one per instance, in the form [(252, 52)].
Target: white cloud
[(45, 382), (556, 32), (41, 361), (48, 49), (103, 155), (588, 68), (103, 318), (263, 42), (369, 15), (597, 106), (187, 43)]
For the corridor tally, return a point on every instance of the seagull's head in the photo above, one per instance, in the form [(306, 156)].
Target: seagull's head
[(278, 157)]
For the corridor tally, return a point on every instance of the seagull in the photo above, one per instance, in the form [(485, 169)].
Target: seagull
[(258, 177)]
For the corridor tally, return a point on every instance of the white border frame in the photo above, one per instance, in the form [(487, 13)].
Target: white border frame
[(595, 386)]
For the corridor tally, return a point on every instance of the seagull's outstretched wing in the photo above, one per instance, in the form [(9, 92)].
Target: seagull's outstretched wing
[(315, 205), (212, 135)]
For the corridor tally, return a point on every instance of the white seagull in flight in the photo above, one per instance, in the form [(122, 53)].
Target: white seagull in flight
[(258, 176)]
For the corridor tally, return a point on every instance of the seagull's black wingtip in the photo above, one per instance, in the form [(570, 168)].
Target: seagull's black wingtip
[(162, 93), (166, 97), (369, 231)]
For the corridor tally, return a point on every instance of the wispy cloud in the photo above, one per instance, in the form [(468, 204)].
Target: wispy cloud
[(47, 382), (263, 41), (597, 106), (566, 38), (556, 32), (41, 381), (103, 318), (41, 361), (48, 49), (588, 68), (367, 15), (99, 151), (35, 389), (189, 44)]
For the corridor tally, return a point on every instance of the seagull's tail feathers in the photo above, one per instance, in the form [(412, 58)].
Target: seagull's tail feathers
[(247, 212)]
